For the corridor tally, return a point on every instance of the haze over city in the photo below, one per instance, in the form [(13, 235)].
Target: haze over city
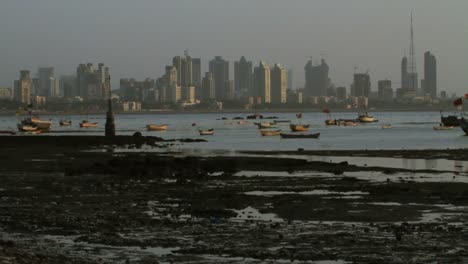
[(137, 39)]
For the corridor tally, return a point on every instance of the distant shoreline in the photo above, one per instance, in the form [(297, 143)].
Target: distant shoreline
[(224, 111)]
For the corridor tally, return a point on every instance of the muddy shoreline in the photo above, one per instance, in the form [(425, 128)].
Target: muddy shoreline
[(66, 204)]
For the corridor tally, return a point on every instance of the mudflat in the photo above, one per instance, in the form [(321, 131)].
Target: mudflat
[(98, 203)]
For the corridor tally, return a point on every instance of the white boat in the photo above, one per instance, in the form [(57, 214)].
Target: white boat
[(43, 125), (208, 132), (27, 128), (366, 118), (270, 133), (157, 127), (387, 126)]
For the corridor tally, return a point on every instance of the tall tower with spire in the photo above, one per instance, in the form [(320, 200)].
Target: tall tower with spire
[(412, 74)]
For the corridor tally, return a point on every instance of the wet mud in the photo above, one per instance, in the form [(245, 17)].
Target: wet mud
[(65, 205)]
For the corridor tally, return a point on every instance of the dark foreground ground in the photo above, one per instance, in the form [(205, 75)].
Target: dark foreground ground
[(65, 204)]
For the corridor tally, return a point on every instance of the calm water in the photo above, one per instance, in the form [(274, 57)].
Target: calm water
[(411, 130)]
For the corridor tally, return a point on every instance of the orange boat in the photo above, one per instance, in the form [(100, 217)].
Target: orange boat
[(157, 127), (299, 127), (86, 124)]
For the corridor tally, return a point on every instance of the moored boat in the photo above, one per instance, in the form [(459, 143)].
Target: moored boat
[(299, 127), (364, 117), (86, 124), (208, 132), (43, 125), (450, 120), (331, 122), (27, 128), (157, 127), (316, 135), (387, 126), (264, 125), (64, 122), (269, 133)]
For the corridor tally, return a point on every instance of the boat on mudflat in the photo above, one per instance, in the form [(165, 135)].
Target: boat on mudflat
[(299, 127), (43, 125), (64, 122), (208, 132), (316, 135), (86, 124), (27, 128), (157, 127), (270, 133)]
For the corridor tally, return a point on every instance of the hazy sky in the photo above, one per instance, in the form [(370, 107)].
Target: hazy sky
[(138, 38)]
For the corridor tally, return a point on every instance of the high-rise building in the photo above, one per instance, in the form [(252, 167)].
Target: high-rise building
[(134, 90), (23, 85), (361, 85), (316, 79), (184, 68), (196, 75), (220, 70), (430, 74), (168, 86), (278, 84), (93, 84), (243, 77), (208, 87), (385, 91), (6, 94), (45, 86), (290, 79), (341, 93), (262, 85), (409, 74), (404, 72), (68, 88)]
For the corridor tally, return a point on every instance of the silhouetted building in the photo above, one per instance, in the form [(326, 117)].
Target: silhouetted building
[(430, 74), (361, 85), (22, 90), (316, 79), (385, 91), (93, 83), (46, 81), (243, 77), (220, 70), (262, 82), (290, 79), (279, 81), (196, 75), (208, 87), (134, 90), (331, 91), (341, 93), (68, 88)]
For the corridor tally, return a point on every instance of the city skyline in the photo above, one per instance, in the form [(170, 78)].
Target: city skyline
[(141, 47)]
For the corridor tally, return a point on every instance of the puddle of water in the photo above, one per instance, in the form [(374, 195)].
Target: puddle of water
[(313, 192), (250, 213)]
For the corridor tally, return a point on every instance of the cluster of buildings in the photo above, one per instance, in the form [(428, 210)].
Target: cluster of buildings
[(183, 84)]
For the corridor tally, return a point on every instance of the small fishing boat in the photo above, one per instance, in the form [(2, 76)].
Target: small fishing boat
[(208, 132), (331, 122), (269, 133), (443, 127), (350, 123), (242, 122), (364, 117), (316, 135), (64, 122), (387, 126), (43, 125), (265, 125), (450, 120), (299, 127), (157, 127), (86, 124), (27, 128)]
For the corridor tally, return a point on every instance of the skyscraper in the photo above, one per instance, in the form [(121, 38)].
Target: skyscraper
[(262, 82), (220, 70), (278, 84), (412, 73), (46, 81), (316, 79), (404, 72), (184, 69), (196, 75), (23, 85), (385, 91), (290, 79), (208, 87), (430, 74), (361, 85), (93, 84), (243, 77)]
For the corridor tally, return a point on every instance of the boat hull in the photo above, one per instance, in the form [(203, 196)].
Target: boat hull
[(156, 127), (451, 120), (367, 119), (299, 128), (316, 135), (87, 125), (270, 133), (443, 127), (464, 125), (206, 132)]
